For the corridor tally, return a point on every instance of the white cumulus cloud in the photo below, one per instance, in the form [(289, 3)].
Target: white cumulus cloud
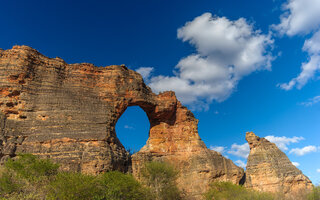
[(318, 170), (283, 142), (304, 150), (299, 17), (219, 149), (240, 150), (302, 17), (240, 163), (226, 51), (296, 164)]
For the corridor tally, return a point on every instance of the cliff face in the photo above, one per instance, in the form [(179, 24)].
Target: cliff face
[(270, 170), (68, 112)]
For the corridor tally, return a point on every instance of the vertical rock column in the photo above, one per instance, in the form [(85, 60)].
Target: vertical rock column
[(270, 170)]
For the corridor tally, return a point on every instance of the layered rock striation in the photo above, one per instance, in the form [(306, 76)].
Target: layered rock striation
[(270, 170), (68, 112)]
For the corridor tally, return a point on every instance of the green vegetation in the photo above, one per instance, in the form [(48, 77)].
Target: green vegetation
[(116, 185), (29, 178), (161, 178), (227, 190), (7, 183), (68, 185), (315, 194), (108, 186), (31, 168), (26, 177)]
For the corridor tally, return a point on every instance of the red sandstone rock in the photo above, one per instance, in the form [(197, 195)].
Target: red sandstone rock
[(68, 112)]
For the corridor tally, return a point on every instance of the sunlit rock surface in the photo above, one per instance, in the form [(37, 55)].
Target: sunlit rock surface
[(68, 112), (270, 170)]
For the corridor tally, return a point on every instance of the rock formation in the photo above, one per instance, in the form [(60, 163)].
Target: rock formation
[(68, 112), (270, 170)]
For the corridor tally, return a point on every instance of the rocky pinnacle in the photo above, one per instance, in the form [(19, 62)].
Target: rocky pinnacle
[(270, 170)]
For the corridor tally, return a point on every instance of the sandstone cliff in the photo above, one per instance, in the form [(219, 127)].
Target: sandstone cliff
[(270, 170), (68, 112)]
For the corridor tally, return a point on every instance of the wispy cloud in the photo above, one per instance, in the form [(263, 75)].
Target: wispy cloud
[(145, 72), (240, 163), (283, 142), (240, 150), (128, 127), (318, 170), (219, 149), (296, 164), (302, 17), (311, 101), (305, 150)]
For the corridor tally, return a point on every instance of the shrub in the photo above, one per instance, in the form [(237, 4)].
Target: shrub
[(109, 186), (117, 186), (7, 183), (227, 190), (160, 177), (26, 177), (315, 194), (32, 168), (73, 186), (24, 196)]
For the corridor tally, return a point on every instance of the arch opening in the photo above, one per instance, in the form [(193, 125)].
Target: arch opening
[(132, 129)]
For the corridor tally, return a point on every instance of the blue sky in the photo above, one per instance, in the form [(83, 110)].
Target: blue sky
[(239, 65)]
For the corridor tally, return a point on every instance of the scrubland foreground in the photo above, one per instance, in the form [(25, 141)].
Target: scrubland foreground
[(29, 178)]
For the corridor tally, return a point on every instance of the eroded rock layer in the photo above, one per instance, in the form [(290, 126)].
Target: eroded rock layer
[(68, 112), (270, 170)]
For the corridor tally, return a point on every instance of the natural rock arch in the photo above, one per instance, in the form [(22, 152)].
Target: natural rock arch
[(68, 112), (132, 128)]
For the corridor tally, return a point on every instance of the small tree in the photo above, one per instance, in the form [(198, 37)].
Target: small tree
[(73, 186), (161, 177), (118, 186)]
